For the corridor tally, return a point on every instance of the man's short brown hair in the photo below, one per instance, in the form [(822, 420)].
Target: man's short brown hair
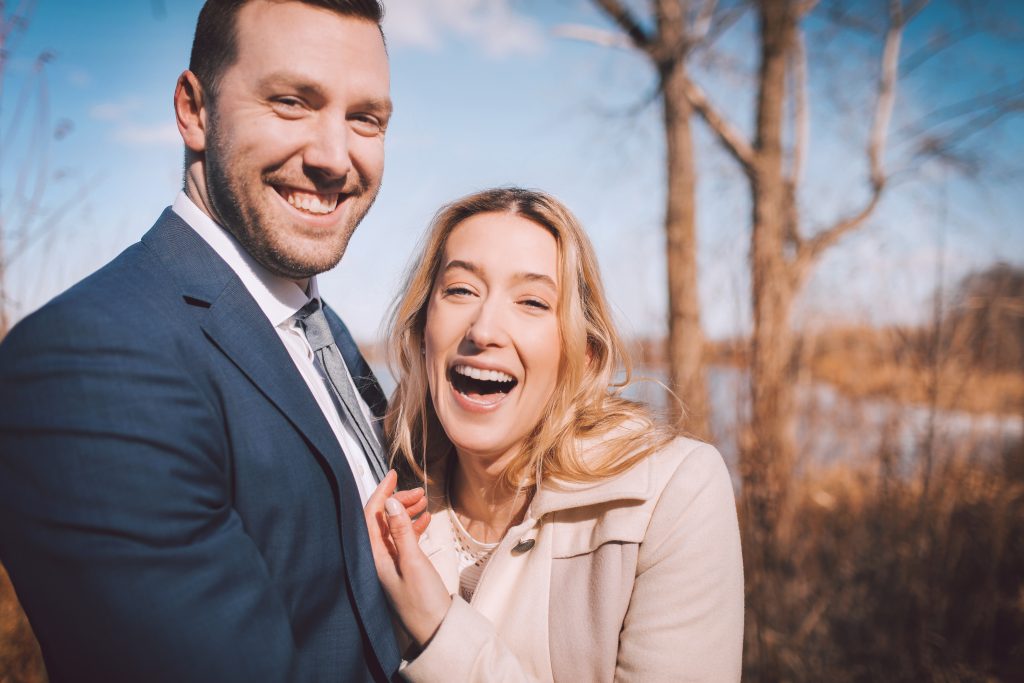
[(215, 45)]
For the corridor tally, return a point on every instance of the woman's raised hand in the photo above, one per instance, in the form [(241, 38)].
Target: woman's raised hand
[(412, 584)]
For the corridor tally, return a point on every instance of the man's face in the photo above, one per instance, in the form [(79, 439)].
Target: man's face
[(295, 134)]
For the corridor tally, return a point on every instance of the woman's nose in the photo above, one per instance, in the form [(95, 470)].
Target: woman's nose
[(487, 328)]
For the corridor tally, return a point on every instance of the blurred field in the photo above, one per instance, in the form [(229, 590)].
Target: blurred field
[(886, 578), (20, 661), (897, 363)]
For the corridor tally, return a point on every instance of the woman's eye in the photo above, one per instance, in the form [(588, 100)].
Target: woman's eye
[(457, 290), (536, 303)]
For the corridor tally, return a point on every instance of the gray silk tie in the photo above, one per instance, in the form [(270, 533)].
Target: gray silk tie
[(331, 366)]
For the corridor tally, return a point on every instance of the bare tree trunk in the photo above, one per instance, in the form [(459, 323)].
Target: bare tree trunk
[(668, 47), (685, 336), (766, 457)]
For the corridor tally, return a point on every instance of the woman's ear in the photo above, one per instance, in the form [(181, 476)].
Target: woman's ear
[(190, 110)]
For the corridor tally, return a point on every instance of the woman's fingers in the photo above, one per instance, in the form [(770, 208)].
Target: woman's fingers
[(376, 525), (417, 593), (384, 489), (415, 502), (415, 508), (420, 524)]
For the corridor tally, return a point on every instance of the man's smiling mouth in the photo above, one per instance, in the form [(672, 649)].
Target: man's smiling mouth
[(309, 202), (481, 386)]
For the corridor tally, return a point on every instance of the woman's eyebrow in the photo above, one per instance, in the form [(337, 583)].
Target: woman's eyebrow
[(537, 277), (458, 264), (464, 265)]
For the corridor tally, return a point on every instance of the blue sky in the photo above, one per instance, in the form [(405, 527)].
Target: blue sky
[(488, 93)]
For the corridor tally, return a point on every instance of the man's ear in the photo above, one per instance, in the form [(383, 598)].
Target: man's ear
[(191, 110)]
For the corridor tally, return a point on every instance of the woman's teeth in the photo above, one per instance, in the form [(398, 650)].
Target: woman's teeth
[(310, 202), (484, 375)]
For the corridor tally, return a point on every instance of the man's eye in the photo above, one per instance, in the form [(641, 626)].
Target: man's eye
[(367, 125), (288, 106)]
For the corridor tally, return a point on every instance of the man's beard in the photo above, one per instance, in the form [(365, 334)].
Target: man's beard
[(234, 200)]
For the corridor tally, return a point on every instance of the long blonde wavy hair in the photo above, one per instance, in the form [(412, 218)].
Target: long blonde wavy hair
[(587, 401)]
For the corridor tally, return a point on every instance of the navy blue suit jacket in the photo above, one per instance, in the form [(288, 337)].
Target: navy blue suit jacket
[(173, 504)]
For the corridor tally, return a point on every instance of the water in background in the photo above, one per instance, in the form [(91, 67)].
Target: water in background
[(830, 426)]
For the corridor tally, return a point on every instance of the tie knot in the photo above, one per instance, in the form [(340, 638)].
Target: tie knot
[(314, 323)]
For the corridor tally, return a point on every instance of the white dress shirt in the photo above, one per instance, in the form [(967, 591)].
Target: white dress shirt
[(280, 299)]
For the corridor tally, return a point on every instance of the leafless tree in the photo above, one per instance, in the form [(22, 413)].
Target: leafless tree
[(783, 250), (26, 133), (679, 28)]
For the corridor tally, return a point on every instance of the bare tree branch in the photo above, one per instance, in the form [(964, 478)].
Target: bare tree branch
[(702, 24), (812, 248), (722, 22), (801, 107), (935, 46), (886, 94), (593, 35), (1007, 97), (809, 250), (805, 7), (732, 139), (669, 44), (52, 220), (627, 22)]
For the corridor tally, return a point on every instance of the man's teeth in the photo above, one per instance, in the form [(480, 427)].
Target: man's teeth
[(486, 375), (310, 201)]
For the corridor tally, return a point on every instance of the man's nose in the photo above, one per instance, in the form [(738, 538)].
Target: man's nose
[(327, 152)]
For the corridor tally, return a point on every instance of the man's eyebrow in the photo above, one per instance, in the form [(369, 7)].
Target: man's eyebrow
[(293, 80), (382, 107), (527, 276)]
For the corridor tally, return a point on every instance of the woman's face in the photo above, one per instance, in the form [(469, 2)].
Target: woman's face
[(491, 340)]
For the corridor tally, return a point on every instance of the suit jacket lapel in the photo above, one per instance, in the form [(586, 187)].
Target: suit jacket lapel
[(234, 325), (237, 326)]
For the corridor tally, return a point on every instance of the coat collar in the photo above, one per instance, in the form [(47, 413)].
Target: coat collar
[(635, 484)]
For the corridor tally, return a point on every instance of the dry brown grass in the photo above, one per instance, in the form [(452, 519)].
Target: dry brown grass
[(882, 578), (20, 660), (900, 364)]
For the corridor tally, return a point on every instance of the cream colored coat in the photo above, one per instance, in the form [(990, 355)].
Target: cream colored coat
[(634, 578)]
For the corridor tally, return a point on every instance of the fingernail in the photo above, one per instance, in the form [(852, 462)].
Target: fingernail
[(393, 507)]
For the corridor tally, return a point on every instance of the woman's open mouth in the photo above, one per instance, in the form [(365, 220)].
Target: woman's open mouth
[(482, 387)]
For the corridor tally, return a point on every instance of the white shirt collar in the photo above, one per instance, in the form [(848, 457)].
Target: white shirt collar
[(278, 297)]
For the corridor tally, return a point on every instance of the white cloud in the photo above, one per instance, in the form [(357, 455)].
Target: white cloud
[(79, 77), (117, 110), (492, 25), (145, 135)]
